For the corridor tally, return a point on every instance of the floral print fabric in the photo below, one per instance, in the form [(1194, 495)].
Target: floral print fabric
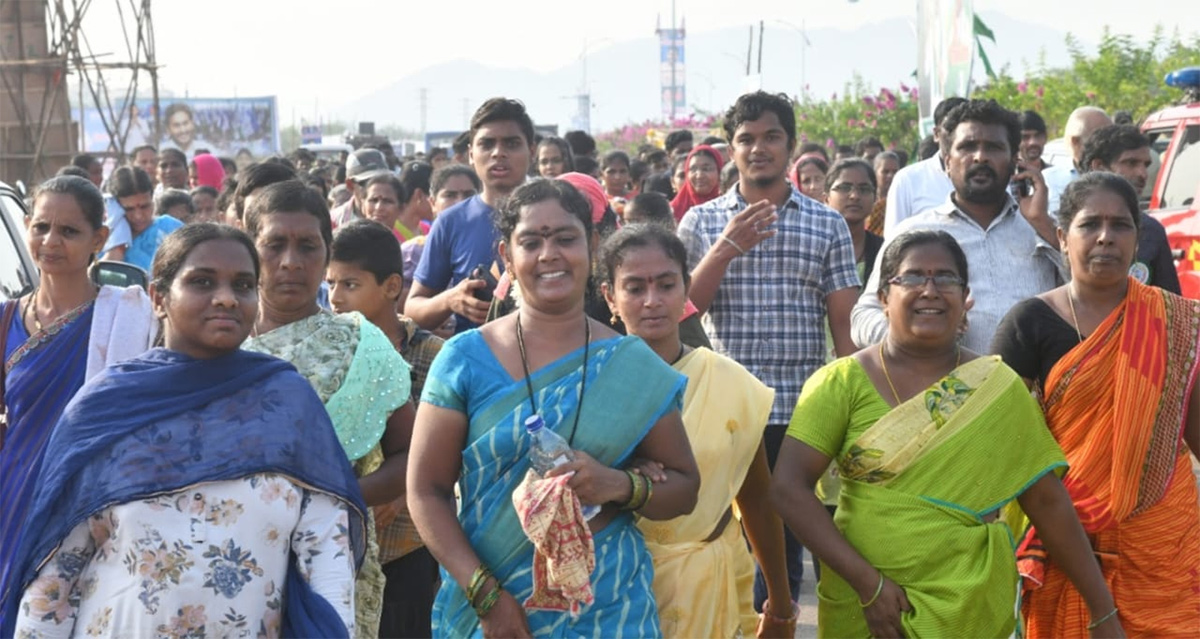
[(203, 562)]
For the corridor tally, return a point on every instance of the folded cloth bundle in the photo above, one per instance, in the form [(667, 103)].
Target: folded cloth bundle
[(564, 555)]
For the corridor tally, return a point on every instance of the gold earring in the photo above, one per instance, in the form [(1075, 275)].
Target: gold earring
[(614, 319)]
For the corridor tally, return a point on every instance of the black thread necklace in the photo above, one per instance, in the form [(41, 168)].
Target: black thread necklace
[(587, 343)]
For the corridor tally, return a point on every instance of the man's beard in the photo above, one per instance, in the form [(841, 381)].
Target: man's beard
[(764, 181), (993, 194)]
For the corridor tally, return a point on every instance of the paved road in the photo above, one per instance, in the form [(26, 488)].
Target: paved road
[(806, 625)]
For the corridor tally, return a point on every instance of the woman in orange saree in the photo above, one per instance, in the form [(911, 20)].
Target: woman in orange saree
[(1116, 365)]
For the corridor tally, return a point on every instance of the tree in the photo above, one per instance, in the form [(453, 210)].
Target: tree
[(890, 115), (1124, 74)]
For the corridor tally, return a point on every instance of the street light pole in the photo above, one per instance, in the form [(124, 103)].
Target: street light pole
[(803, 31)]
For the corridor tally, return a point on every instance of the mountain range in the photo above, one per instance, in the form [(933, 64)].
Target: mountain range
[(623, 78)]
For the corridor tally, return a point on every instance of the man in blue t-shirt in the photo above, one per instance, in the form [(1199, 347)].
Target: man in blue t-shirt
[(464, 236)]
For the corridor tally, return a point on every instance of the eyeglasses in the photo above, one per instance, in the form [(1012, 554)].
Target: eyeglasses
[(845, 188), (944, 282)]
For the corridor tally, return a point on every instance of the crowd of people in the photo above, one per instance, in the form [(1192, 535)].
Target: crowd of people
[(326, 414)]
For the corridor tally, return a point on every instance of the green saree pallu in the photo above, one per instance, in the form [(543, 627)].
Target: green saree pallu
[(923, 494)]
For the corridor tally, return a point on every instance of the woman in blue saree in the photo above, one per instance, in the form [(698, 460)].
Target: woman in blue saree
[(214, 508), (609, 396), (56, 338)]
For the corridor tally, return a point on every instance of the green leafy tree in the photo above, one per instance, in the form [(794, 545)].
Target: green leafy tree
[(1123, 74)]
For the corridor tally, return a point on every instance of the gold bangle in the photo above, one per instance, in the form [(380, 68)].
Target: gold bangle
[(878, 591), (635, 491), (478, 579), (1096, 624)]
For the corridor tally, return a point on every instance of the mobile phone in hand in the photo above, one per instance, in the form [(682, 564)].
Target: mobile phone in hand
[(486, 292), (1021, 188)]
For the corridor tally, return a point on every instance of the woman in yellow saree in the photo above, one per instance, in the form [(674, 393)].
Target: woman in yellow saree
[(932, 441), (1115, 364), (703, 572)]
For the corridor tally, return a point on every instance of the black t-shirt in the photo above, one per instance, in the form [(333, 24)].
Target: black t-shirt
[(1155, 265), (1032, 338)]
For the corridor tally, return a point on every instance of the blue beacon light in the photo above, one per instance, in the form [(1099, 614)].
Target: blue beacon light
[(1188, 78)]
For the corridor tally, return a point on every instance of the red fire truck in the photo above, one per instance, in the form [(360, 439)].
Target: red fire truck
[(1174, 135)]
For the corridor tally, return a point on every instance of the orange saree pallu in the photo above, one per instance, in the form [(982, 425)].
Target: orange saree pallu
[(1117, 405)]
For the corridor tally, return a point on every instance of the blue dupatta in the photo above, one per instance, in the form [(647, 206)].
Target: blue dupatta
[(127, 435), (629, 389), (42, 373)]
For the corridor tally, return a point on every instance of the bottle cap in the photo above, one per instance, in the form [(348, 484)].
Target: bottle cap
[(534, 423)]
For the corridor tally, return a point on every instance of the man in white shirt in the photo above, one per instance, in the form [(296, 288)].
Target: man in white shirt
[(923, 185), (1011, 247), (1083, 122)]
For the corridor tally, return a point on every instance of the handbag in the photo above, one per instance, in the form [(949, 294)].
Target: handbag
[(10, 309)]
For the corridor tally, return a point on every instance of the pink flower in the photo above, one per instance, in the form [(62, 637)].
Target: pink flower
[(887, 94), (829, 142), (868, 113), (903, 88), (1091, 96), (1022, 86), (833, 98), (851, 122), (868, 100), (1040, 91), (915, 92)]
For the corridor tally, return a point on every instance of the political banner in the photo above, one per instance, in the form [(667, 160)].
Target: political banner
[(223, 126), (945, 53)]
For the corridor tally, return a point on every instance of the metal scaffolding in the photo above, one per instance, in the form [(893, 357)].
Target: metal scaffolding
[(42, 44)]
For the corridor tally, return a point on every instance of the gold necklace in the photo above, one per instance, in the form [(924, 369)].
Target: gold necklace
[(888, 377), (1074, 318)]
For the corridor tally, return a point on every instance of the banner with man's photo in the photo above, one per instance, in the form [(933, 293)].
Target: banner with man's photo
[(224, 126)]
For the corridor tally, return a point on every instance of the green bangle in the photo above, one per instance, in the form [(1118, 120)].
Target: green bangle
[(489, 600), (649, 493), (635, 489), (1096, 624), (878, 591), (478, 579)]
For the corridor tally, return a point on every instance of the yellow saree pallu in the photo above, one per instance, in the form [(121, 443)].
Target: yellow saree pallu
[(706, 589), (1117, 404), (919, 492)]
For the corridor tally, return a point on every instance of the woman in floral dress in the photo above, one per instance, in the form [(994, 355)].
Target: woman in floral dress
[(214, 508)]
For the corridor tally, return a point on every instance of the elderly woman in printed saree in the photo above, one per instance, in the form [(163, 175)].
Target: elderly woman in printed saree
[(362, 380), (1114, 363), (934, 444), (212, 508), (55, 339), (609, 396)]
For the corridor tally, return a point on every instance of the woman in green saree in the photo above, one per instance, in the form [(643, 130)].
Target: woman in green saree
[(933, 443), (361, 379)]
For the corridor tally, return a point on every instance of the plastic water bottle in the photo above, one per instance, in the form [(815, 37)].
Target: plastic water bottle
[(548, 450)]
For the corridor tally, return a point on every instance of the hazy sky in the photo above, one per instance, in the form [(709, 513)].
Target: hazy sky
[(320, 54)]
